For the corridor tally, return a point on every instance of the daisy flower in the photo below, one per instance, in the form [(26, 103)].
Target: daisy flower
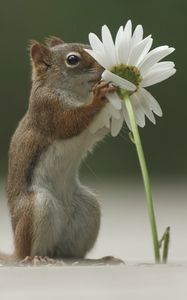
[(131, 66)]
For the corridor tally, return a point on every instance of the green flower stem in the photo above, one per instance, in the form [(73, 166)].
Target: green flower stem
[(145, 176), (165, 240)]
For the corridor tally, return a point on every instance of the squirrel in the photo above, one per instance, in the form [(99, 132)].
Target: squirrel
[(52, 214)]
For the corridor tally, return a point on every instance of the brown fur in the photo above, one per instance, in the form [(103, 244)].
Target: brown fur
[(46, 120), (52, 41), (23, 219), (57, 122)]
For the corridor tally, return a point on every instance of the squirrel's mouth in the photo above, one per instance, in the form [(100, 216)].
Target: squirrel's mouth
[(93, 82), (95, 75), (95, 79)]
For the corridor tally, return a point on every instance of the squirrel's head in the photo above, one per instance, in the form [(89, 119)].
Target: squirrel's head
[(64, 67)]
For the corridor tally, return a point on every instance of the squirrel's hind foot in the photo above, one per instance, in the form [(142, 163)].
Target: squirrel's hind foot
[(37, 260)]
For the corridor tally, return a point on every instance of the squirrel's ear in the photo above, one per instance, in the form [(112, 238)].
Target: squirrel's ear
[(40, 54), (52, 41)]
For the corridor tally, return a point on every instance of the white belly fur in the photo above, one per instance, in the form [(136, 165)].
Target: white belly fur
[(66, 214)]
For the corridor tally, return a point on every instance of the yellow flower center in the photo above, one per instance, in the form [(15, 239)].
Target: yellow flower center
[(130, 73)]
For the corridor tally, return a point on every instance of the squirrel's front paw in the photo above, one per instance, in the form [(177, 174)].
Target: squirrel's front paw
[(101, 89)]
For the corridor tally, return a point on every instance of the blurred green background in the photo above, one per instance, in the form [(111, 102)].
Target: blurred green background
[(20, 20)]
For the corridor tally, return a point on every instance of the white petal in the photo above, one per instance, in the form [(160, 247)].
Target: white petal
[(108, 44), (153, 51), (153, 57), (112, 111), (106, 115), (101, 58), (124, 47), (138, 111), (114, 100), (137, 35), (126, 116), (107, 37), (103, 120), (118, 41), (95, 42), (151, 101), (95, 125), (119, 36), (149, 113), (116, 126), (157, 77), (121, 82), (92, 128), (137, 51), (146, 107), (144, 52), (128, 28), (160, 67), (100, 121)]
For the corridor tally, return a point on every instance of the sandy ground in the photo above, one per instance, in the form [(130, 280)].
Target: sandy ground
[(125, 234), (136, 282)]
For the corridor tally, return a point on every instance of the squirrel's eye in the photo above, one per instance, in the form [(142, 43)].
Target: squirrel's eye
[(72, 60)]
